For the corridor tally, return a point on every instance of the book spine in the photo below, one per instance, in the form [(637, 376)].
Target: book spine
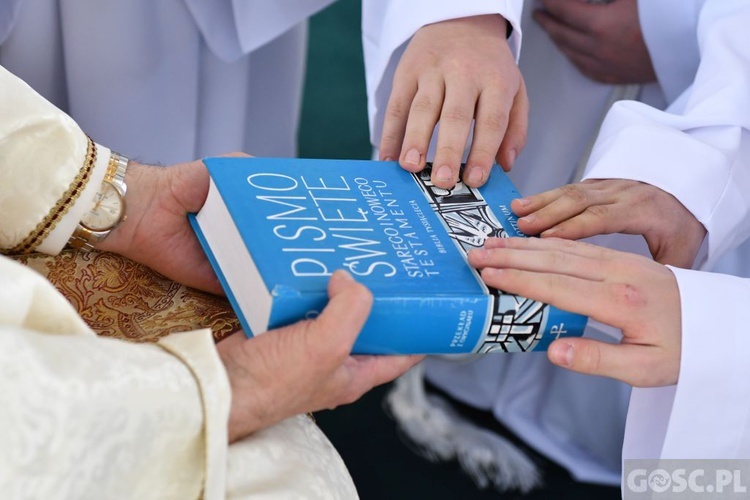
[(402, 324), (419, 325), (443, 324)]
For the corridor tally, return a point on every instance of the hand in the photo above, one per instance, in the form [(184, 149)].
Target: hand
[(156, 232), (306, 366), (623, 290), (454, 72), (606, 206), (604, 41)]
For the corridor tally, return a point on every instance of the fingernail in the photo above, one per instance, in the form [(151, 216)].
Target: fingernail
[(528, 219), (491, 273), (476, 176), (550, 232), (412, 157), (494, 242), (512, 157), (569, 353), (344, 275), (444, 173), (387, 158), (480, 253), (524, 202), (562, 355)]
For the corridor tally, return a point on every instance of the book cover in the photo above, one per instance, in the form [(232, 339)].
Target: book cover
[(276, 229)]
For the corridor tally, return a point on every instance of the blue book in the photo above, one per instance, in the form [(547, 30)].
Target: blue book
[(276, 229)]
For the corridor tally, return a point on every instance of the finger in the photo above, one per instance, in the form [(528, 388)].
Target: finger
[(610, 303), (571, 200), (371, 371), (455, 123), (361, 373), (529, 204), (540, 261), (566, 292), (343, 318), (589, 64), (580, 248), (611, 207), (423, 116), (637, 365), (396, 116), (237, 154), (597, 219), (515, 136), (615, 301), (567, 37), (490, 125), (574, 14)]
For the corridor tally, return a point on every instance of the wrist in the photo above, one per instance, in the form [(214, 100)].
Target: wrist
[(107, 209), (244, 415), (141, 183)]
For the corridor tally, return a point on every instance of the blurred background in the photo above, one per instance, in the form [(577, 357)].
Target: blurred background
[(334, 110)]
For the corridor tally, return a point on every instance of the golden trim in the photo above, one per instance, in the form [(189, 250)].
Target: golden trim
[(62, 207)]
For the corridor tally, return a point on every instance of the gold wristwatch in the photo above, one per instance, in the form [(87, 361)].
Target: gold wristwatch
[(108, 209)]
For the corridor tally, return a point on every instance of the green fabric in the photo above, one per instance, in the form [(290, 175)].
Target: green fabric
[(334, 109)]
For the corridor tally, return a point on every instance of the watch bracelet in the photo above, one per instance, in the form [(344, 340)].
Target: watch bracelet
[(84, 238)]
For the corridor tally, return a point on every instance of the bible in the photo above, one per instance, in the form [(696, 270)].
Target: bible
[(276, 229)]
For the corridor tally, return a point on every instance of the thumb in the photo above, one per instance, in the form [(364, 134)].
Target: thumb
[(343, 318), (628, 363)]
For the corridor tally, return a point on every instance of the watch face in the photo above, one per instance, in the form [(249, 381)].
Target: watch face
[(107, 210)]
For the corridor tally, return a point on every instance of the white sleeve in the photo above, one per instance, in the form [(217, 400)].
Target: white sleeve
[(707, 414), (50, 171), (699, 148), (388, 24), (84, 416)]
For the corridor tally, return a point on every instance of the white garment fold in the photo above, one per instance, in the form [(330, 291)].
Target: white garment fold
[(141, 77), (234, 28)]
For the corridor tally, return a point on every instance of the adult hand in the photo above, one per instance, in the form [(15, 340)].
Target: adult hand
[(156, 232), (623, 290), (306, 366), (603, 40), (454, 72), (606, 206)]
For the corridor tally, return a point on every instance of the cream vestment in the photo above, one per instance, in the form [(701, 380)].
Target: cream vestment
[(88, 417)]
